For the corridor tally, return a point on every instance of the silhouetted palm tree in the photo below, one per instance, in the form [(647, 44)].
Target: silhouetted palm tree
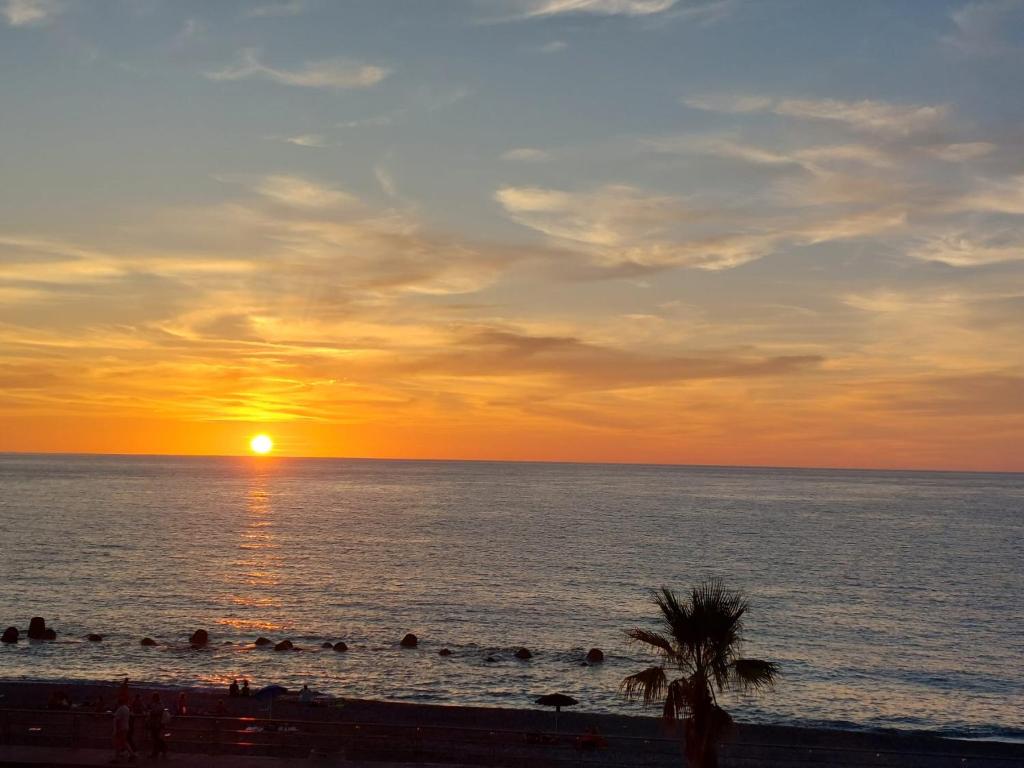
[(699, 648)]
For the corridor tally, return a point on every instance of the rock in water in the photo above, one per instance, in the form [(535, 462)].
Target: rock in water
[(94, 638), (340, 646), (325, 645), (284, 645), (199, 637), (262, 641), (410, 641), (37, 628), (10, 635), (147, 641), (595, 656), (523, 654), (50, 634), (491, 660), (444, 652)]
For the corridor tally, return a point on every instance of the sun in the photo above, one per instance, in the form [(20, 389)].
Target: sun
[(261, 444)]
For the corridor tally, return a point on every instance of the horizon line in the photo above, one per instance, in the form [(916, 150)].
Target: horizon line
[(512, 461)]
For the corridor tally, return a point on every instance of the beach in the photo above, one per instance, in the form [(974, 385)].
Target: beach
[(336, 730)]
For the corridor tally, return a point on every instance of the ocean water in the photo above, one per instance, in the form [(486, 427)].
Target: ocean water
[(891, 599)]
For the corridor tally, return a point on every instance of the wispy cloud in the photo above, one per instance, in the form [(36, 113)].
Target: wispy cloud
[(980, 28), (302, 193), (866, 115), (526, 154), (540, 8), (278, 9), (29, 13), (311, 140), (964, 249), (326, 73)]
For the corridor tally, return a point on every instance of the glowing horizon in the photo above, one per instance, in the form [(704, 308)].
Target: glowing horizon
[(674, 233)]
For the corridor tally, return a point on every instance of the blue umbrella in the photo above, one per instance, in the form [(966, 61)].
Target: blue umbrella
[(270, 692)]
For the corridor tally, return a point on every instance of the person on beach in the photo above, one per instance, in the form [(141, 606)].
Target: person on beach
[(156, 726), (233, 690), (122, 718), (123, 695), (245, 688), (136, 713), (306, 695), (182, 708)]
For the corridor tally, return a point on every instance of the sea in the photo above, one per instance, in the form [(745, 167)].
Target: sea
[(890, 599)]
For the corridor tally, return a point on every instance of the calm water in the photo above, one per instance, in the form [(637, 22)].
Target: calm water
[(892, 599)]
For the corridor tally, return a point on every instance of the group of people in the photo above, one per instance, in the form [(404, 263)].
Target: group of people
[(234, 691), (130, 711)]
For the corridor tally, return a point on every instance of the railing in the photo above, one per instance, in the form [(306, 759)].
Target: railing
[(446, 744)]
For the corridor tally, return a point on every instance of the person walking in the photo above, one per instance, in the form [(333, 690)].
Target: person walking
[(135, 714), (122, 717), (156, 726)]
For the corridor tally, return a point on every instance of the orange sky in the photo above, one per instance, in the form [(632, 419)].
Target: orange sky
[(596, 231)]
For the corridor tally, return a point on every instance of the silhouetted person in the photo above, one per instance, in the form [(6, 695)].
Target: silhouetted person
[(182, 704), (245, 688), (122, 718), (156, 726), (233, 690), (136, 712), (306, 695)]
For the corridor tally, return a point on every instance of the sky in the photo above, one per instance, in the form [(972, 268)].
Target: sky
[(745, 232)]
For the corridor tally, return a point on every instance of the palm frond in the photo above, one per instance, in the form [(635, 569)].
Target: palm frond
[(649, 685), (751, 675), (653, 639), (678, 703)]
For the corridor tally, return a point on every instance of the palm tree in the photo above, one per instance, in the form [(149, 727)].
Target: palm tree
[(699, 647)]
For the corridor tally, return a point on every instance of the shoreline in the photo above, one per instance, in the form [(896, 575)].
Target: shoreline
[(15, 691), (784, 742)]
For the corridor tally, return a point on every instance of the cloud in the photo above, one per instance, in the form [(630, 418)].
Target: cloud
[(299, 192), (964, 250), (31, 13), (335, 73), (525, 154), (503, 352), (541, 8), (866, 115), (278, 9), (623, 229), (962, 152), (980, 27), (317, 140)]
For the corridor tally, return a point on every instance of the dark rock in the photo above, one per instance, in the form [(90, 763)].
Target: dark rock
[(263, 641), (50, 634), (410, 641), (444, 652), (523, 654), (491, 660), (94, 638), (147, 641), (199, 637), (326, 645), (37, 628), (10, 635), (340, 646), (595, 656), (284, 645)]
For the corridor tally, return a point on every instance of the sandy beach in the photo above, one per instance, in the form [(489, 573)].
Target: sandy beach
[(376, 731)]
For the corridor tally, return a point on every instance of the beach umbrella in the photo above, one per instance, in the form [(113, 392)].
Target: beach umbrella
[(556, 700), (269, 693)]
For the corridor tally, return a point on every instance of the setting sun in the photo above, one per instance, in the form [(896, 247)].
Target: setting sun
[(261, 444)]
